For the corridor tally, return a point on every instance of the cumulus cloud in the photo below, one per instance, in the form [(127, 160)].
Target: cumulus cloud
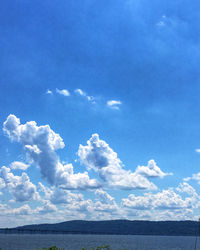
[(151, 170), (66, 178), (105, 208), (31, 134), (40, 144), (24, 210), (64, 92), (167, 199), (186, 188), (60, 196), (19, 186), (47, 207), (161, 215), (105, 203), (19, 165), (99, 156), (104, 197), (113, 104)]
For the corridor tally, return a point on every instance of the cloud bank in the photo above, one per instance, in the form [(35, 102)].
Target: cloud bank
[(41, 143)]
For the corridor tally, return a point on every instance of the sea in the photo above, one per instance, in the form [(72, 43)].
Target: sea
[(116, 242)]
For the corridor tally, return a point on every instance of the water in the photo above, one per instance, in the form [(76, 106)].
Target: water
[(76, 242)]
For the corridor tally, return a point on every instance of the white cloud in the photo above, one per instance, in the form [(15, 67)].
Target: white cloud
[(186, 188), (19, 186), (82, 93), (66, 178), (113, 104), (19, 165), (151, 170), (49, 92), (75, 202), (119, 178), (30, 134), (85, 206), (187, 179), (60, 196), (99, 156), (195, 177), (2, 183), (105, 208), (40, 144), (47, 207), (104, 197), (198, 150), (167, 199), (33, 149), (24, 210), (10, 126), (136, 202), (161, 215), (64, 92)]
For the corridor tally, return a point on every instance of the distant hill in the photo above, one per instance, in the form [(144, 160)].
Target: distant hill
[(123, 227)]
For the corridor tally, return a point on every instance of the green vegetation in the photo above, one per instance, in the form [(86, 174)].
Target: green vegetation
[(106, 247)]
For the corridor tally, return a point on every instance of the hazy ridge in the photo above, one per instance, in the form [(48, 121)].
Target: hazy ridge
[(122, 227)]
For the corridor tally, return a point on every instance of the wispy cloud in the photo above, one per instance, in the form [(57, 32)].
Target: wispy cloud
[(80, 92), (49, 92), (64, 92), (162, 22), (113, 104), (84, 94), (195, 177)]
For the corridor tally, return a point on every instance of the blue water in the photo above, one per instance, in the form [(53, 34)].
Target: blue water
[(76, 242)]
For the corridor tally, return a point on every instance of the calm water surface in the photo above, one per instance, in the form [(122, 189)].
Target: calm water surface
[(76, 242)]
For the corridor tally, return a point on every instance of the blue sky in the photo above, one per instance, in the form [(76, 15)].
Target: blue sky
[(99, 110)]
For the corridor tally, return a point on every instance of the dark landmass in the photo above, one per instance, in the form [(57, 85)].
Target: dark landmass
[(120, 227)]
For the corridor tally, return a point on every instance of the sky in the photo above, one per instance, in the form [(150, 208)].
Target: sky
[(99, 110)]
